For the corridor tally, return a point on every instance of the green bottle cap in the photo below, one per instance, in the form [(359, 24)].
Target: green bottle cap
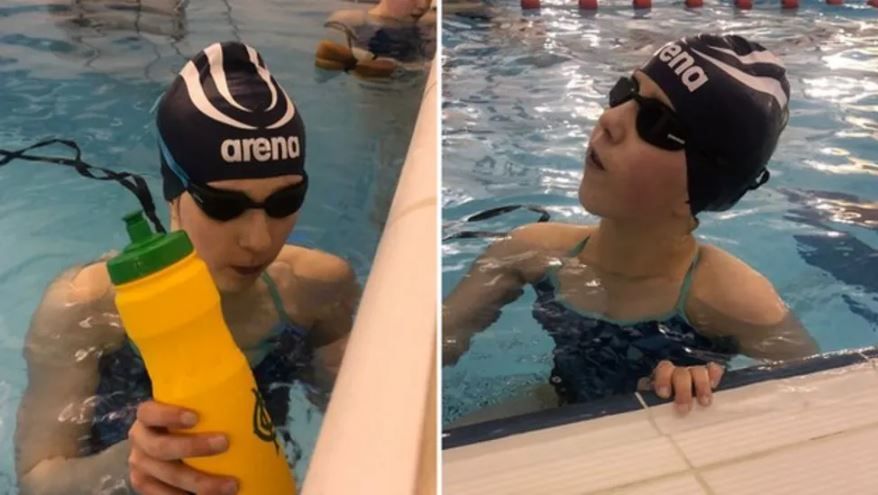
[(148, 252)]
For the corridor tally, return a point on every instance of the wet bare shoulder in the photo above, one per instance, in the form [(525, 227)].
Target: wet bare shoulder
[(310, 281), (550, 236), (532, 248), (730, 298), (76, 314), (727, 292), (296, 265)]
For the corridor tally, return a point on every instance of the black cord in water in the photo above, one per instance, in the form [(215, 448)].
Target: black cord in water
[(133, 182), (491, 213)]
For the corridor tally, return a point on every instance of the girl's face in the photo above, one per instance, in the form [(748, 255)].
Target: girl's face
[(236, 251), (627, 178)]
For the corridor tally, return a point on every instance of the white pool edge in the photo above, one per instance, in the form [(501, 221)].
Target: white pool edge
[(377, 433), (810, 434)]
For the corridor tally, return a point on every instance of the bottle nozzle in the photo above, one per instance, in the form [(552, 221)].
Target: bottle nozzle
[(138, 228), (148, 252)]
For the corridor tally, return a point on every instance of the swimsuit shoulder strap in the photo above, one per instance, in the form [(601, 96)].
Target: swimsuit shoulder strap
[(275, 298), (578, 247), (552, 271), (687, 286)]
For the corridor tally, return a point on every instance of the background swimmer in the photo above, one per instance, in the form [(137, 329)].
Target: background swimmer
[(378, 41)]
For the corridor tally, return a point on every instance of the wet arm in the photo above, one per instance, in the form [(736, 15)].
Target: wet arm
[(785, 338), (62, 349), (494, 280)]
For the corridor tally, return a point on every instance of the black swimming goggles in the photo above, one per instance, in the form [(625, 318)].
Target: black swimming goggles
[(224, 205), (657, 124)]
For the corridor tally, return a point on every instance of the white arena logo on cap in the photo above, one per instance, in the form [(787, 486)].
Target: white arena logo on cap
[(691, 75), (260, 149)]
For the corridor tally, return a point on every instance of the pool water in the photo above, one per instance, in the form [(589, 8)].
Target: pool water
[(523, 90), (93, 74)]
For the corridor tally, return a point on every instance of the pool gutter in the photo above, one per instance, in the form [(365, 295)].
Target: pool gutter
[(499, 428)]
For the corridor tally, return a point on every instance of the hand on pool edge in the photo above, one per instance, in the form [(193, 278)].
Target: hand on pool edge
[(155, 463), (680, 381)]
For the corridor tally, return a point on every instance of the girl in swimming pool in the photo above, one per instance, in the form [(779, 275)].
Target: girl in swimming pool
[(638, 295), (232, 148)]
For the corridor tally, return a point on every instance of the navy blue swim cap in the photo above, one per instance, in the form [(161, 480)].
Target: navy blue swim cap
[(225, 117), (731, 95)]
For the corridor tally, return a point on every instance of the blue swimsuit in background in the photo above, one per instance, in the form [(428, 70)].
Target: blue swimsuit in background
[(402, 40)]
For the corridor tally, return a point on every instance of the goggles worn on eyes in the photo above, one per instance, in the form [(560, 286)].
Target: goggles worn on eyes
[(224, 204), (657, 124)]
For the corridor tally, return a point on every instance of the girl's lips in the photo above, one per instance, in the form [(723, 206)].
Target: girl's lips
[(249, 270)]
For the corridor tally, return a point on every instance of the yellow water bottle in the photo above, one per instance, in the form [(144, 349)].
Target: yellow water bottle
[(171, 310)]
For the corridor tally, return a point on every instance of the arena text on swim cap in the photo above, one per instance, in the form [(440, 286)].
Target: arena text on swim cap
[(691, 75), (260, 149)]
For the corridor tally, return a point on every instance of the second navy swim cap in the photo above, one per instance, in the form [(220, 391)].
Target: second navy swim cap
[(731, 95), (226, 117)]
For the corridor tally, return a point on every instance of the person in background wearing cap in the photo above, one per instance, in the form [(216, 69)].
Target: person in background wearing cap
[(232, 149), (638, 297)]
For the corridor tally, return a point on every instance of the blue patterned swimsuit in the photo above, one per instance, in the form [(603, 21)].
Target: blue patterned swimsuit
[(597, 357)]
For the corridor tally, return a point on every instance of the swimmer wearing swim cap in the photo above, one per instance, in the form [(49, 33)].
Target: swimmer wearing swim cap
[(637, 301), (379, 40), (232, 147)]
